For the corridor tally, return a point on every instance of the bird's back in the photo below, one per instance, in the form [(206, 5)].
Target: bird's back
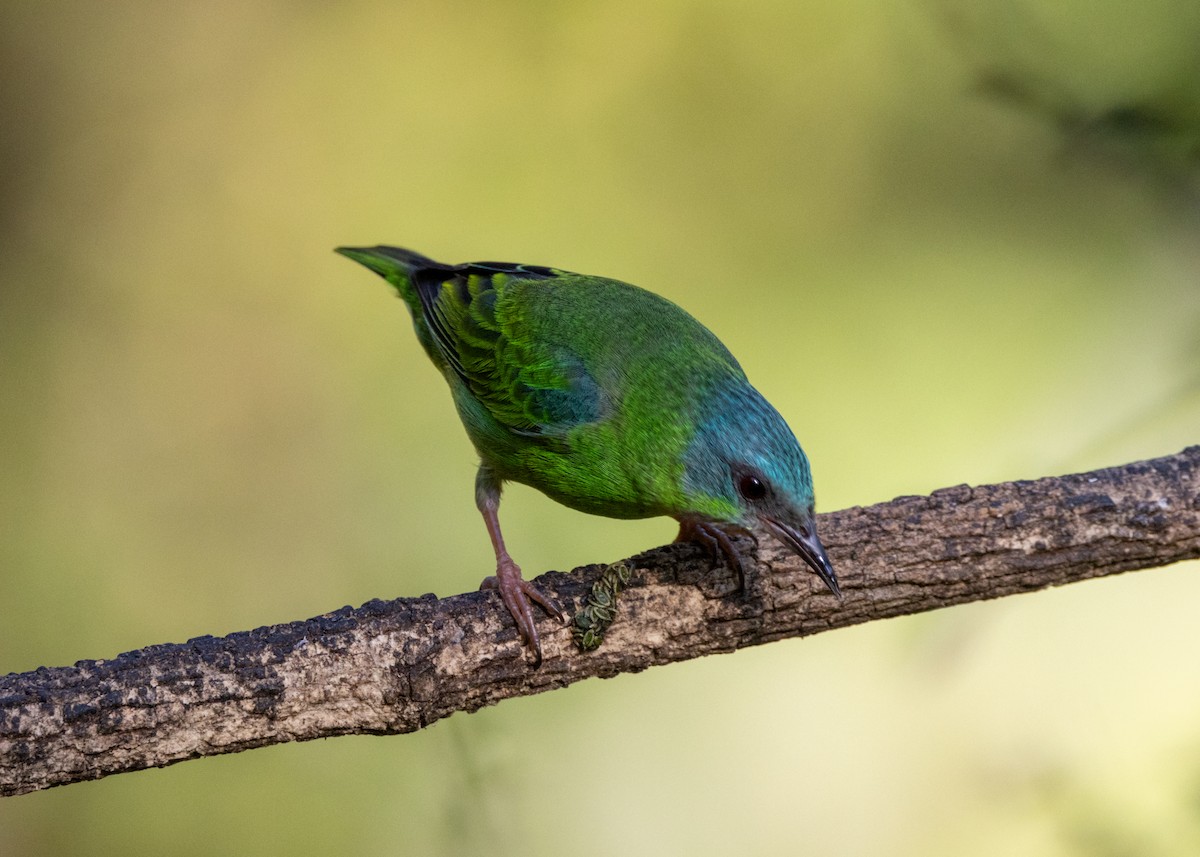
[(584, 387)]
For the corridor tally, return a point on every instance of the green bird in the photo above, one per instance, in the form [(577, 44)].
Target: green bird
[(608, 399)]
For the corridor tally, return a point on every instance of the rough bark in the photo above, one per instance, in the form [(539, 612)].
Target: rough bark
[(396, 666)]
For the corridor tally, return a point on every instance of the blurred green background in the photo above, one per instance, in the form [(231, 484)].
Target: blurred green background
[(950, 242)]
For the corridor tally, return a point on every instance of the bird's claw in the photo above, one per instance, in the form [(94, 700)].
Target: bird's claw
[(716, 541), (517, 593)]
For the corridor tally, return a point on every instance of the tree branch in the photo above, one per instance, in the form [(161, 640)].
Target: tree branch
[(397, 666)]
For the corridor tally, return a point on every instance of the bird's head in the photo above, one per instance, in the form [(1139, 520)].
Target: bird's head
[(745, 467)]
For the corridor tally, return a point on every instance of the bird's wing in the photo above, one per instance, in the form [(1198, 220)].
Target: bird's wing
[(528, 387)]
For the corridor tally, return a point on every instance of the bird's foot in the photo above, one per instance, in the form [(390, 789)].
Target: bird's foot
[(714, 538), (517, 593)]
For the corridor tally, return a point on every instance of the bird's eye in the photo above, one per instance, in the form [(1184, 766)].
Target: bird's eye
[(751, 487)]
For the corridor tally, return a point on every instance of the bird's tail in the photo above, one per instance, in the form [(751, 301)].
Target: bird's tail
[(397, 266), (403, 268)]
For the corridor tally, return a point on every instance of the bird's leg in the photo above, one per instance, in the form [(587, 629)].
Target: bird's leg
[(713, 538), (515, 591)]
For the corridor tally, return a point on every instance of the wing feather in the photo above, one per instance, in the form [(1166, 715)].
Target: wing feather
[(527, 390)]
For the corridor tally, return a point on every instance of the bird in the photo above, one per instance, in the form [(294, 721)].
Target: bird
[(608, 399)]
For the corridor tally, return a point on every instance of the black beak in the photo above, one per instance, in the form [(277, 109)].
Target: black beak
[(804, 541)]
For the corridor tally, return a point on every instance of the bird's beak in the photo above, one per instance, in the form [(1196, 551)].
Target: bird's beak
[(806, 543)]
